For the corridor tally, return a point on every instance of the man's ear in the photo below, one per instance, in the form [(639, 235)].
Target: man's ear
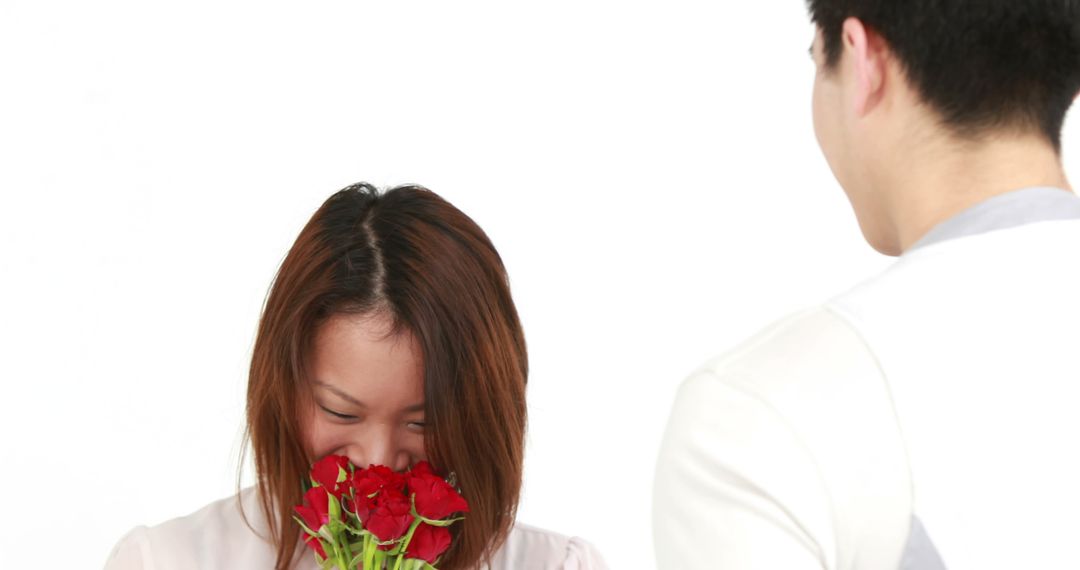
[(868, 54)]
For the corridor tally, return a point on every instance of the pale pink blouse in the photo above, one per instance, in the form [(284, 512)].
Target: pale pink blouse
[(216, 537)]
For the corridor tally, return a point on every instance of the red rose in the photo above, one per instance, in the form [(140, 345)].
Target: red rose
[(315, 544), (422, 468), (368, 482), (332, 472), (390, 515), (317, 507), (315, 512), (435, 498), (361, 507), (367, 485), (428, 543)]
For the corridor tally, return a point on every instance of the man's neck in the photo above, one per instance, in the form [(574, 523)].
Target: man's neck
[(932, 183)]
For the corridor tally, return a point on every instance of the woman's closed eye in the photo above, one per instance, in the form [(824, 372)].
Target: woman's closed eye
[(417, 425), (338, 415)]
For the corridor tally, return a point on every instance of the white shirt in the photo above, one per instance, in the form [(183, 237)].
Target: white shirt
[(216, 537), (928, 418)]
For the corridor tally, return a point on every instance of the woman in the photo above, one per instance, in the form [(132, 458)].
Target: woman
[(390, 337)]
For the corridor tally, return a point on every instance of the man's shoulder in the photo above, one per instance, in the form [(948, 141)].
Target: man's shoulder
[(809, 350), (808, 372), (798, 422)]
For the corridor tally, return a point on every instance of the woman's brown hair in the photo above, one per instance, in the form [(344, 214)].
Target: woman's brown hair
[(411, 255)]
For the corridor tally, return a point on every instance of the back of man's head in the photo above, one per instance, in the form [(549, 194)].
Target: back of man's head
[(983, 65)]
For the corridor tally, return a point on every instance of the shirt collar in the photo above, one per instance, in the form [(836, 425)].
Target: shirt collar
[(1008, 210)]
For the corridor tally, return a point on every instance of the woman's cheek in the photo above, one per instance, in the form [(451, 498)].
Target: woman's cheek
[(322, 439)]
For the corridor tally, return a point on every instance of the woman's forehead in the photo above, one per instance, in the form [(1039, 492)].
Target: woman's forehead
[(363, 358)]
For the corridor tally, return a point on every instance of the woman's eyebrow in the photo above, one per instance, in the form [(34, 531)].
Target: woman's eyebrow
[(419, 407), (341, 394)]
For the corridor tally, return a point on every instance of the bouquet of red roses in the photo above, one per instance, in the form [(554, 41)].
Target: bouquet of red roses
[(375, 518)]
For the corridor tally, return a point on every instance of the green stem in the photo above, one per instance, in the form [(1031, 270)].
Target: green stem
[(405, 543), (347, 552), (369, 551), (343, 561)]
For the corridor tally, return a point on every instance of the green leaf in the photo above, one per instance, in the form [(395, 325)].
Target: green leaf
[(324, 533), (334, 508), (446, 522), (305, 527), (354, 530)]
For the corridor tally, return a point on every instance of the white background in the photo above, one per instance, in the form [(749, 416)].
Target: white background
[(647, 170)]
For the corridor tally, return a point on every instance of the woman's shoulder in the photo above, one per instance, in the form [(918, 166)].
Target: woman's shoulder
[(231, 529), (531, 547)]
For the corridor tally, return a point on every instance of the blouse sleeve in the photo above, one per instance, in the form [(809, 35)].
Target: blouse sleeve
[(580, 555), (132, 552)]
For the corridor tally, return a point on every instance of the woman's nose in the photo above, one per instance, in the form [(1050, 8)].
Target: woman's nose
[(378, 448)]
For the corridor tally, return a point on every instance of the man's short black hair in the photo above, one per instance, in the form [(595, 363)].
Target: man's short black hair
[(982, 64)]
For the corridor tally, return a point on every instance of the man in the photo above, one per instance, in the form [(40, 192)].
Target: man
[(930, 417)]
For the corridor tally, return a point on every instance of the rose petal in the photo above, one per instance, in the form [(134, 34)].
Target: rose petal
[(428, 543)]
